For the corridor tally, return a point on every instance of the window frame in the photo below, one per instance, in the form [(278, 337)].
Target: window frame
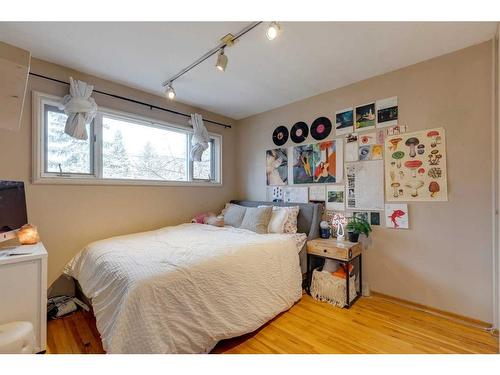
[(41, 176)]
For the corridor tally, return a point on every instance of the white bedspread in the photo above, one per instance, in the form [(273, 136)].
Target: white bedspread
[(182, 289)]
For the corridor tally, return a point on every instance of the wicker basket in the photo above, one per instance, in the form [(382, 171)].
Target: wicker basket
[(327, 288)]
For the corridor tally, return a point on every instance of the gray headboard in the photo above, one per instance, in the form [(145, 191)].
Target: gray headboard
[(307, 221)]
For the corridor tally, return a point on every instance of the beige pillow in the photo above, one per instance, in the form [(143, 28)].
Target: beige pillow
[(233, 214), (257, 219), (278, 219)]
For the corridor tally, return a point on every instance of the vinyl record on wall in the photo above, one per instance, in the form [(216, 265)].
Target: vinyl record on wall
[(321, 128), (280, 135), (299, 132)]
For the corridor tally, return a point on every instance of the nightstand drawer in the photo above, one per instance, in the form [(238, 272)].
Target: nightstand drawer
[(331, 250)]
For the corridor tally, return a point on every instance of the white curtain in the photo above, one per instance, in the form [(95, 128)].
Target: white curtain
[(200, 139), (80, 108)]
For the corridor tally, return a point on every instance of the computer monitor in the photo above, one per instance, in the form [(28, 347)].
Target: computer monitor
[(13, 213)]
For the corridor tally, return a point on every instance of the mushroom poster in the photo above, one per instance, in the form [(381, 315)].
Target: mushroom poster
[(415, 166)]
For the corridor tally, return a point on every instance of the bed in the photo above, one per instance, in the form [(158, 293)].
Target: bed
[(182, 289)]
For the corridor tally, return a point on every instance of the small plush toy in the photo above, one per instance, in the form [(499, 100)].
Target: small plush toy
[(209, 218)]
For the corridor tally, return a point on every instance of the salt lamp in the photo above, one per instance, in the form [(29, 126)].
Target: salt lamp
[(28, 235)]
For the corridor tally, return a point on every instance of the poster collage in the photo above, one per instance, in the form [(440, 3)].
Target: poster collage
[(366, 160)]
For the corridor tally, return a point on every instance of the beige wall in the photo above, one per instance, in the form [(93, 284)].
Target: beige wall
[(445, 259), (71, 216)]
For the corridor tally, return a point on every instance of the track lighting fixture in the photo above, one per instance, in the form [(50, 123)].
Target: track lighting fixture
[(170, 92), (272, 30), (221, 61)]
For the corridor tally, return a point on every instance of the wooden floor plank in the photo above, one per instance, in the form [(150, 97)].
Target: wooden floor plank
[(372, 325)]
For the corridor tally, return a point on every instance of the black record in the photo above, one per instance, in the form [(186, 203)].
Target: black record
[(280, 135), (299, 132), (321, 128)]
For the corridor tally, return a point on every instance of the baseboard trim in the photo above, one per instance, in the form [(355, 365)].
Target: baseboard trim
[(433, 310)]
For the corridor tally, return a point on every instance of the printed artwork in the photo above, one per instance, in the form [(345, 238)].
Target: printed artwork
[(387, 112), (365, 186), (361, 216), (318, 163), (375, 218), (396, 129), (275, 194), (296, 194), (365, 116), (317, 193), (303, 165), (325, 160), (351, 147), (369, 147), (277, 167), (415, 166), (335, 197), (396, 216), (344, 121)]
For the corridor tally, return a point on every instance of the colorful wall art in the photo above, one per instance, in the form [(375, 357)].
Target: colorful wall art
[(365, 185), (396, 216), (365, 117), (344, 121), (303, 165), (415, 166), (387, 112), (277, 167), (335, 197), (318, 163), (369, 146)]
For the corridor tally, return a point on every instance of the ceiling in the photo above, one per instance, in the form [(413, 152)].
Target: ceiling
[(308, 58)]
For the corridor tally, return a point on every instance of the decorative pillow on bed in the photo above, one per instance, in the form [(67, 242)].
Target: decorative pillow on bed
[(279, 217), (257, 219), (233, 214), (291, 221)]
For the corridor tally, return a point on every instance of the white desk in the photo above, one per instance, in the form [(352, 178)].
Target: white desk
[(23, 288)]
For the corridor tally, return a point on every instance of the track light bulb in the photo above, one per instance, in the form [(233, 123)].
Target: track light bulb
[(170, 92), (221, 61), (272, 30)]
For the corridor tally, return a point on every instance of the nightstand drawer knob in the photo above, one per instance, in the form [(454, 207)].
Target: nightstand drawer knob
[(325, 251)]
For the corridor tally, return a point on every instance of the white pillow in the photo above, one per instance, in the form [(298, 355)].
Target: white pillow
[(283, 220)]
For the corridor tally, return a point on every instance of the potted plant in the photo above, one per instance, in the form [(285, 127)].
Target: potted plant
[(356, 226)]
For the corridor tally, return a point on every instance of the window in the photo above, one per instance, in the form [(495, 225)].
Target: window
[(65, 154), (121, 148)]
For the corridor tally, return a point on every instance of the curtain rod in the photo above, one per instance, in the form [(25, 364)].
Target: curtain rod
[(151, 106)]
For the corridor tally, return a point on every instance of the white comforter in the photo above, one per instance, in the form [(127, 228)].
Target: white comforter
[(182, 289)]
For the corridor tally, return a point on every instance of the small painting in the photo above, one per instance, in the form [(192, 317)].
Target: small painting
[(303, 164), (396, 216), (375, 218), (361, 216), (344, 121), (365, 153), (325, 162), (317, 193), (365, 116), (377, 152), (387, 112), (335, 197), (277, 167)]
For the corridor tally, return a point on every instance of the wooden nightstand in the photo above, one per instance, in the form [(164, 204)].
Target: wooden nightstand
[(341, 251)]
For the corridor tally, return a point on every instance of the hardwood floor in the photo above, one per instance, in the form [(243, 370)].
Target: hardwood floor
[(372, 325)]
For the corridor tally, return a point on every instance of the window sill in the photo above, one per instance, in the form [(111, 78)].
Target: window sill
[(120, 182)]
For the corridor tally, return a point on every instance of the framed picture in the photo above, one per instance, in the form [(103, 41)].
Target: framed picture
[(277, 167)]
